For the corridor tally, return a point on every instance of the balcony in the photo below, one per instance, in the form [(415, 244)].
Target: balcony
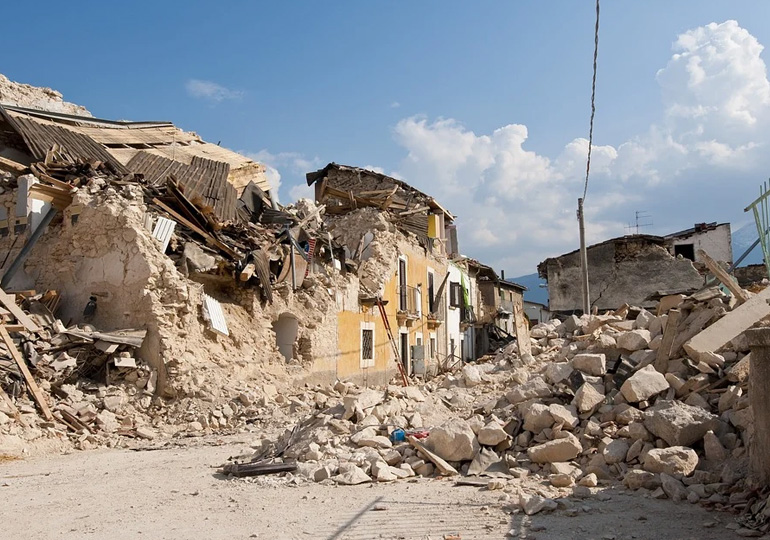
[(409, 305)]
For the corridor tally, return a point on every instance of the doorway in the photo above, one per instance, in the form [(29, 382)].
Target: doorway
[(405, 352), (286, 329)]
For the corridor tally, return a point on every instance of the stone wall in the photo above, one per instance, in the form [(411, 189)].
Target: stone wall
[(624, 270)]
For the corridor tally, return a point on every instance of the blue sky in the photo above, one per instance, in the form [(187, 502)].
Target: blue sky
[(438, 93)]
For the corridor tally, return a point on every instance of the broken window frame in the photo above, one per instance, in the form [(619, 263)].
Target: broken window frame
[(403, 284), (431, 290), (455, 294)]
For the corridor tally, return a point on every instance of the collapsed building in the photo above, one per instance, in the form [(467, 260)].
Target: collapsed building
[(136, 271), (161, 284), (637, 268)]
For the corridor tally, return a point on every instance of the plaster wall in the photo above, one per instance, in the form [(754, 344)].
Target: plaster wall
[(717, 243)]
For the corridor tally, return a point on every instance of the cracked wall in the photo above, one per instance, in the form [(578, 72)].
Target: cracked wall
[(625, 270)]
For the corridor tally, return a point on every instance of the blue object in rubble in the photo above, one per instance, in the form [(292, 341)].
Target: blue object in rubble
[(398, 435)]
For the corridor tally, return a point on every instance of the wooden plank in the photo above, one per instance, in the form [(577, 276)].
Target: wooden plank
[(522, 328), (10, 304), (664, 350), (444, 467), (414, 211), (11, 405), (248, 271), (31, 384), (12, 166), (722, 275), (227, 250)]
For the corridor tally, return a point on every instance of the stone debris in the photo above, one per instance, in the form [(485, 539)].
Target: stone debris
[(657, 400), (587, 412)]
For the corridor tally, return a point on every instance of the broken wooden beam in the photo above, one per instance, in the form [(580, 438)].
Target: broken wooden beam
[(211, 240), (10, 304), (12, 166), (257, 469), (663, 354), (722, 275), (34, 389), (247, 272)]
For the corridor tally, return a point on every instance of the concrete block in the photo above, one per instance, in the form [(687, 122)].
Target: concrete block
[(730, 326)]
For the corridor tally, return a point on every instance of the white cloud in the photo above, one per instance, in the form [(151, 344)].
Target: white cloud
[(211, 91), (516, 207), (395, 105), (294, 166)]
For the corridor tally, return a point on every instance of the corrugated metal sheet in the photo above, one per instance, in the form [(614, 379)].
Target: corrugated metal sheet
[(202, 179), (40, 136), (164, 228), (212, 312)]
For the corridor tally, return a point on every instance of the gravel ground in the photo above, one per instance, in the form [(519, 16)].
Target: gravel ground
[(175, 493)]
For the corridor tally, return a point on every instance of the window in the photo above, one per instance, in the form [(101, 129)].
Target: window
[(402, 302), (455, 294), (431, 291), (685, 250), (432, 346), (367, 344)]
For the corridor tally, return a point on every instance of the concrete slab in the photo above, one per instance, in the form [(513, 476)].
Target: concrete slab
[(730, 326)]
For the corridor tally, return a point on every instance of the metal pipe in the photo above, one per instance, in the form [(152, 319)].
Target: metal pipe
[(24, 253), (583, 260)]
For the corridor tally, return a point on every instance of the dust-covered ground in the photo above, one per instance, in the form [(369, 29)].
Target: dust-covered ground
[(174, 492)]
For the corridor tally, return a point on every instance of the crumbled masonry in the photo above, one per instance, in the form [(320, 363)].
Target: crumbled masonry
[(105, 343)]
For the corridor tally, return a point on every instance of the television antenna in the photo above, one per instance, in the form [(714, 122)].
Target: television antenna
[(641, 221)]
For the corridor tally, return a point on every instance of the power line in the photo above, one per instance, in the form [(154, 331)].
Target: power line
[(593, 101)]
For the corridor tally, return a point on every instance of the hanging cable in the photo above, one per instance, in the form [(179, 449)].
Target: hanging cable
[(593, 102)]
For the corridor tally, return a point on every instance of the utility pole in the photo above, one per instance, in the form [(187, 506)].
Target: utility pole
[(583, 259)]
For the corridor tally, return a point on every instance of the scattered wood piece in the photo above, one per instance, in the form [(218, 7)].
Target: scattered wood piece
[(664, 350), (471, 482), (10, 304), (444, 467), (722, 275), (10, 404), (131, 337), (31, 384), (224, 248), (257, 469), (248, 271), (12, 166), (72, 420)]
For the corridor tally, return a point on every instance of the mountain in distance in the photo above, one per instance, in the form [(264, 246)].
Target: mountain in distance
[(534, 292), (742, 240)]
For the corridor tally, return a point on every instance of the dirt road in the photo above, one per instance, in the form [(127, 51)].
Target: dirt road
[(174, 493)]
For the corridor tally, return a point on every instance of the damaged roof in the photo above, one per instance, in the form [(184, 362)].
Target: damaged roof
[(118, 142), (648, 238), (489, 272), (697, 228), (424, 198)]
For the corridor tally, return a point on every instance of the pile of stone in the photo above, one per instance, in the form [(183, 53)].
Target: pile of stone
[(598, 403), (77, 377)]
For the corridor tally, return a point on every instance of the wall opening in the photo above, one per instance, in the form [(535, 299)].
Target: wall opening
[(286, 329), (685, 250)]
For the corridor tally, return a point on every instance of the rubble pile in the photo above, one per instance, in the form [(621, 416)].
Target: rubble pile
[(588, 408), (26, 95)]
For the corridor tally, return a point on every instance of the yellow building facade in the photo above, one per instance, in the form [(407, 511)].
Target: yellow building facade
[(366, 354)]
